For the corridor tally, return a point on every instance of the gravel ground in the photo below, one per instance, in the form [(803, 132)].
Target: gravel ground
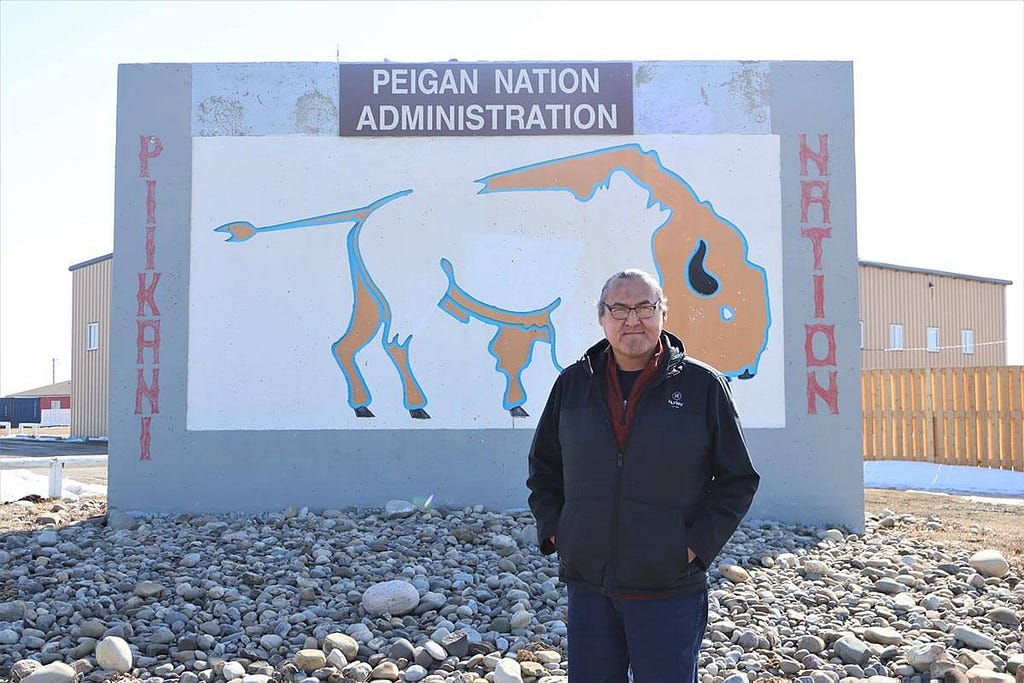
[(970, 521), (406, 594)]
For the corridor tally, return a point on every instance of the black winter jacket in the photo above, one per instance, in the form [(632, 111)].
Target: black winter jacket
[(623, 521)]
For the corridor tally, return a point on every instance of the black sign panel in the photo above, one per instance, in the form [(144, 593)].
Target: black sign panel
[(514, 98)]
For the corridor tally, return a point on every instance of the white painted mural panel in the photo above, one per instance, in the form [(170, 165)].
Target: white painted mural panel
[(410, 283)]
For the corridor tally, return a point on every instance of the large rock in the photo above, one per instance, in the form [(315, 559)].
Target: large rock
[(456, 643), (981, 675), (923, 655), (532, 669), (435, 650), (882, 635), (22, 668), (973, 638), (1004, 615), (337, 660), (55, 672), (402, 649), (93, 628), (971, 659), (989, 563), (734, 573), (340, 641), (889, 586), (816, 567), (397, 509), (508, 671), (547, 656), (358, 671), (113, 653), (942, 669), (415, 673), (394, 597), (12, 611), (147, 589), (385, 671), (502, 542), (232, 671), (812, 644), (47, 538), (191, 560), (310, 660), (521, 619), (904, 601), (271, 641), (852, 650)]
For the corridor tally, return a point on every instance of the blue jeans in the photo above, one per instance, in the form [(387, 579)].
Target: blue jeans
[(658, 639)]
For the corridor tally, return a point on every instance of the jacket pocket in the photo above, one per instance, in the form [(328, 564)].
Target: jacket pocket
[(652, 547), (582, 540)]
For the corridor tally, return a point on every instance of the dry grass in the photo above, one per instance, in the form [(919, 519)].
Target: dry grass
[(973, 524)]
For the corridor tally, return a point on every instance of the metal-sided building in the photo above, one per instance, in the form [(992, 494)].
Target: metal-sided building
[(52, 405), (90, 346), (921, 318), (51, 397)]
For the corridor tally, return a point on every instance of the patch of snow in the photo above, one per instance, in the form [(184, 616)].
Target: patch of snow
[(16, 484), (934, 478)]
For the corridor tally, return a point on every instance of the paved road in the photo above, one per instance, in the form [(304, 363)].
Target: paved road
[(27, 448)]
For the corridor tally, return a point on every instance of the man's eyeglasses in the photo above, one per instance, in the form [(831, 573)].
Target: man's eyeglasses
[(643, 311)]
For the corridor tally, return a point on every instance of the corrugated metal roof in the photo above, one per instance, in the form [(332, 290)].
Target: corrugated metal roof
[(928, 271), (91, 261), (58, 389)]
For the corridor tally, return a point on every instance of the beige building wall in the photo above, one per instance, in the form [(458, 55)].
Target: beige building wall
[(90, 367), (918, 299)]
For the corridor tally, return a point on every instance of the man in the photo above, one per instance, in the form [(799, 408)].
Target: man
[(639, 474)]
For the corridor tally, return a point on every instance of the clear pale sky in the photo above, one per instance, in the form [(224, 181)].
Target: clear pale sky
[(939, 98)]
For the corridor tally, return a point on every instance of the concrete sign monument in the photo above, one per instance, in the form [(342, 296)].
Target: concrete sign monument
[(337, 284)]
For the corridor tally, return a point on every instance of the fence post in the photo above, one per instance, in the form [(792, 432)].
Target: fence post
[(929, 417), (56, 487)]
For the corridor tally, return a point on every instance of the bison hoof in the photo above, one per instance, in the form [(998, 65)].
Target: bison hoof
[(363, 411), (518, 412), (419, 414)]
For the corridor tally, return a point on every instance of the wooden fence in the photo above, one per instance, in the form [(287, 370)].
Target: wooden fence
[(951, 416)]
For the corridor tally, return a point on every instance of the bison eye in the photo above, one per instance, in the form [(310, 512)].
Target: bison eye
[(701, 281)]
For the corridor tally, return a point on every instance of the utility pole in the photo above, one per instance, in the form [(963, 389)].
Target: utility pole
[(53, 370)]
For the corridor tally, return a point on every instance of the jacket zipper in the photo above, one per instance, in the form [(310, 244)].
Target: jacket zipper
[(616, 500), (613, 564)]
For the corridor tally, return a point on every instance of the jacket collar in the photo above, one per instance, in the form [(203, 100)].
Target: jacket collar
[(597, 355)]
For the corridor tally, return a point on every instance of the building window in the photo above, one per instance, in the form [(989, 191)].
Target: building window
[(933, 339), (895, 337), (92, 336), (967, 341), (862, 334)]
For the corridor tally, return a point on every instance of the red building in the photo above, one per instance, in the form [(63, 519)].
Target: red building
[(50, 396)]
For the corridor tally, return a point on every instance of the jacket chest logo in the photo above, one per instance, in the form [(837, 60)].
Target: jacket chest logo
[(675, 400)]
